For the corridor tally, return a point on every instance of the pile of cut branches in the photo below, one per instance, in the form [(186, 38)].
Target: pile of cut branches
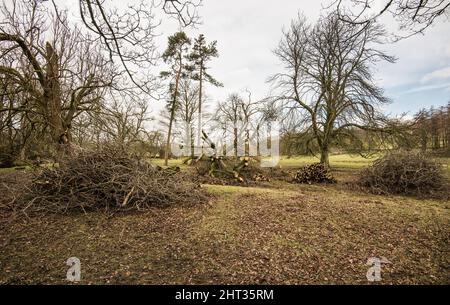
[(225, 170), (13, 187), (314, 173), (230, 170), (405, 173), (108, 179)]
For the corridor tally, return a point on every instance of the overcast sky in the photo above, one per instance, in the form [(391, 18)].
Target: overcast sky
[(247, 32)]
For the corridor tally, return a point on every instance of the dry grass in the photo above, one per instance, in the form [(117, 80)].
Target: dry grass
[(281, 233), (288, 234)]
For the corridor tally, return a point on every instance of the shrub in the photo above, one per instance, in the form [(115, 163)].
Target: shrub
[(404, 173)]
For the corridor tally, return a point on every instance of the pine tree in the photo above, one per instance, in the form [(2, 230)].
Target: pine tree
[(175, 55), (201, 54)]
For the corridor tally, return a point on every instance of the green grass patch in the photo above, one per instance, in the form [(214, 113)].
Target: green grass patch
[(171, 162), (337, 161)]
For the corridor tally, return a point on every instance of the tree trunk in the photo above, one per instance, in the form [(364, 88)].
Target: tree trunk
[(424, 141), (52, 99), (235, 141), (288, 144), (192, 143), (247, 143), (169, 134), (324, 156), (172, 115), (258, 149), (200, 89)]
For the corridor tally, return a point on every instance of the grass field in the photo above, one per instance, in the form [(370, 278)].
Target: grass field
[(340, 163), (344, 160), (278, 233)]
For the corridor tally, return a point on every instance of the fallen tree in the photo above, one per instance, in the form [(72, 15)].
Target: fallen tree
[(230, 170)]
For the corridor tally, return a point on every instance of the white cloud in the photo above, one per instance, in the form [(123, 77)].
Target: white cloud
[(445, 86), (247, 31), (437, 75)]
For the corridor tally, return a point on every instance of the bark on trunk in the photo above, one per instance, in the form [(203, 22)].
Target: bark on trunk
[(200, 89), (324, 156), (235, 141), (169, 134), (52, 99), (172, 115)]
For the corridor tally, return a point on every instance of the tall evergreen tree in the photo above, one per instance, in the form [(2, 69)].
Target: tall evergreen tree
[(175, 55), (201, 54)]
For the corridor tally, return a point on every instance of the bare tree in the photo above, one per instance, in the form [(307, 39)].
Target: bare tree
[(242, 118), (123, 119), (185, 11), (422, 128), (412, 16), (60, 75), (249, 109), (229, 115), (292, 128), (431, 128), (187, 110), (328, 76), (128, 34), (155, 142), (15, 133)]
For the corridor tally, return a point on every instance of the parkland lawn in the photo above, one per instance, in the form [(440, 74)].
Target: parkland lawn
[(278, 233)]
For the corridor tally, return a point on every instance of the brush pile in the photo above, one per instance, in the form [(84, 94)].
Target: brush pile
[(314, 173), (108, 179), (230, 170), (404, 173)]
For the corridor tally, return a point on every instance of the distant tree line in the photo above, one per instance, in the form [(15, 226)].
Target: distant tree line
[(428, 131), (432, 128), (64, 86)]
